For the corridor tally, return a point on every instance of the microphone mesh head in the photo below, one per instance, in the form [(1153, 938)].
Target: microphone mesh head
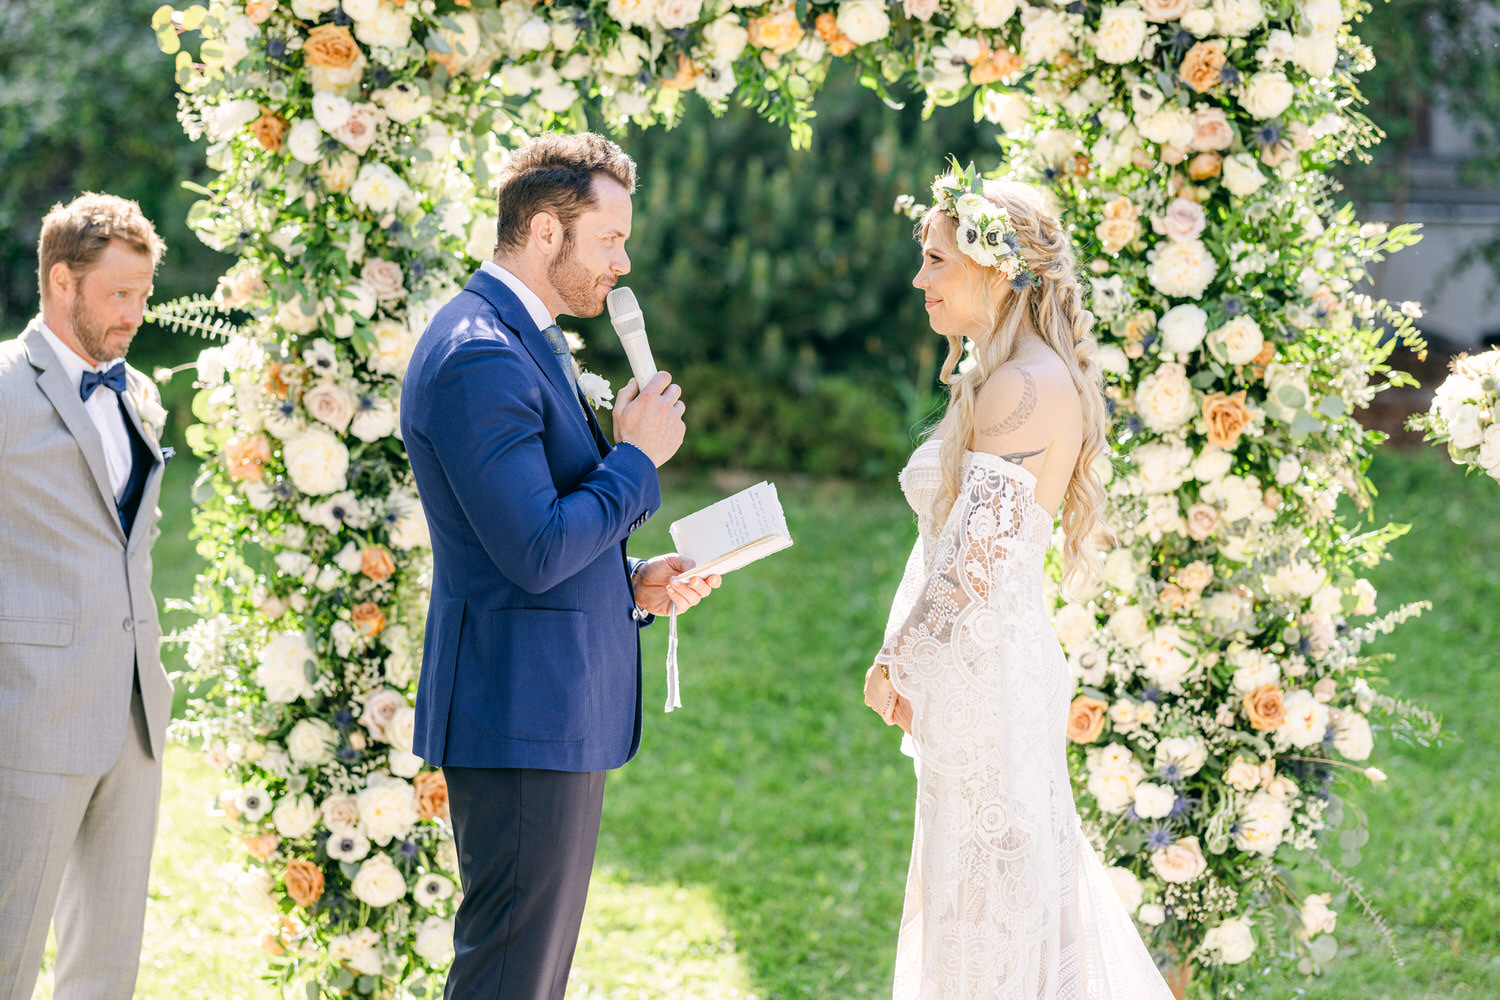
[(624, 312)]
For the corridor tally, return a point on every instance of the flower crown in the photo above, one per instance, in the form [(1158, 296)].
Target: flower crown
[(985, 233)]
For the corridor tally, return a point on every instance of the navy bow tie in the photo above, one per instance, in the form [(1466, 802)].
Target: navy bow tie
[(112, 379)]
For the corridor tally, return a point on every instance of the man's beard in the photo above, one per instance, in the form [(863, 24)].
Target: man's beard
[(573, 282), (92, 331)]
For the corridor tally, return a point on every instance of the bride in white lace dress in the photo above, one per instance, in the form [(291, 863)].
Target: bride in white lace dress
[(1005, 898)]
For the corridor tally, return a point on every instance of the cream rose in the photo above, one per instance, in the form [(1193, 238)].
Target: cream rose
[(311, 742), (379, 189), (1231, 942), (1046, 34), (378, 882), (1127, 887), (1267, 94), (1237, 342), (864, 21), (1237, 18), (282, 667), (1183, 328), (1241, 176), (434, 940), (1121, 33), (1187, 753), (1262, 824), (1211, 130), (1181, 269), (1165, 399), (295, 816), (330, 403), (394, 344), (1306, 721), (1167, 10), (360, 951), (1316, 916), (305, 141), (993, 13), (1153, 801), (316, 462), (1352, 737), (387, 809), (1179, 862), (340, 813)]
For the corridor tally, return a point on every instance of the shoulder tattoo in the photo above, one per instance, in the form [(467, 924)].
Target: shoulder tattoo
[(1023, 411)]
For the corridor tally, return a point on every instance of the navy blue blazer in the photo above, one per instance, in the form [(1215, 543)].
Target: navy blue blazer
[(532, 656)]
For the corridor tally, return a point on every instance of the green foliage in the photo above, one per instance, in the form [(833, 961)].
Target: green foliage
[(85, 105)]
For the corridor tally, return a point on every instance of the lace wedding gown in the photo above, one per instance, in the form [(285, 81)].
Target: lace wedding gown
[(1005, 899)]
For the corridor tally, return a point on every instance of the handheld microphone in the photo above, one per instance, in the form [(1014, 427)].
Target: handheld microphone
[(630, 326)]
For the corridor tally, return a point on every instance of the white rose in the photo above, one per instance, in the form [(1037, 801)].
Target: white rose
[(1121, 33), (1198, 23), (1306, 721), (1242, 775), (403, 101), (1162, 467), (1153, 801), (1152, 914), (864, 21), (678, 13), (304, 140), (1253, 669), (1316, 916), (1164, 661), (379, 189), (311, 742), (434, 941), (1267, 94), (1351, 736), (1317, 53), (564, 34), (1127, 886), (1238, 342), (1232, 942), (378, 882), (297, 315), (387, 808), (394, 344), (1241, 176), (388, 29), (1165, 399), (1183, 328), (224, 121), (1181, 268), (1046, 35), (379, 709), (282, 667), (409, 529), (331, 111), (1180, 862), (1168, 126), (1129, 625), (316, 462), (360, 951), (993, 13), (726, 38), (295, 816), (1296, 580), (1121, 571), (1187, 753), (253, 886), (1489, 452), (630, 53), (1112, 359), (1237, 18), (1007, 110)]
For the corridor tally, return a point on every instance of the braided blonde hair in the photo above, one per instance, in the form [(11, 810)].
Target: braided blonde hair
[(1054, 305)]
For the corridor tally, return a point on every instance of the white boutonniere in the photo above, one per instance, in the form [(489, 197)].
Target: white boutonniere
[(153, 415), (596, 390)]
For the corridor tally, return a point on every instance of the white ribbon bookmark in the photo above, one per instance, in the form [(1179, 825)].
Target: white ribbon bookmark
[(674, 699)]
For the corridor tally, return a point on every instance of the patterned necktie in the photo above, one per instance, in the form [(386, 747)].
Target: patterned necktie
[(112, 379), (559, 344)]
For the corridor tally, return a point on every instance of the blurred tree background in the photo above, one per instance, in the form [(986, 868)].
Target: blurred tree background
[(776, 282)]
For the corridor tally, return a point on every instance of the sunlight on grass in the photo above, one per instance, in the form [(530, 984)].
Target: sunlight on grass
[(650, 941)]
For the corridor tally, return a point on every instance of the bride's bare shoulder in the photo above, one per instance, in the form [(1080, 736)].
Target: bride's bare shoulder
[(1031, 393)]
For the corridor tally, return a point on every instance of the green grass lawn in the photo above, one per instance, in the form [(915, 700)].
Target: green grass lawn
[(758, 845)]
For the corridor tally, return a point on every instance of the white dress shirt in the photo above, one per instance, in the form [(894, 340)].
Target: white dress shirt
[(533, 303), (103, 408)]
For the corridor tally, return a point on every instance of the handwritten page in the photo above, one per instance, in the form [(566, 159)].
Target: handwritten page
[(734, 532)]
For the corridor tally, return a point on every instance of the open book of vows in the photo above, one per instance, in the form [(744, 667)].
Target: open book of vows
[(734, 532)]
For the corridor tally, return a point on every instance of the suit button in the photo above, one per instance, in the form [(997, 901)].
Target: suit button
[(128, 625)]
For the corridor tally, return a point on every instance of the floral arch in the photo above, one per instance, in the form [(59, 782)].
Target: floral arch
[(1222, 688)]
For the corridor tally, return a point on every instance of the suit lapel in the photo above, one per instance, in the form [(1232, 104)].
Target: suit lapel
[(63, 395), (148, 490), (515, 316)]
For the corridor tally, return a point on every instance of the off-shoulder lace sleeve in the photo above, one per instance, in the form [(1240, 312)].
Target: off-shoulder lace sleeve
[(956, 625)]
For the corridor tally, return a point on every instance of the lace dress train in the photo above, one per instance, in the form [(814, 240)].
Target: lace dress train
[(1005, 898)]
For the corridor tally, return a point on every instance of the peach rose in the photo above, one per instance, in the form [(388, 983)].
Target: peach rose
[(839, 43), (1203, 66), (376, 563), (1264, 707), (368, 618), (245, 457), (330, 46), (304, 882), (432, 795), (275, 382), (269, 130), (1180, 862), (1086, 719), (1211, 130), (686, 77), (259, 11), (1116, 234), (778, 31), (261, 845), (1227, 417), (1205, 165), (995, 64), (1202, 519)]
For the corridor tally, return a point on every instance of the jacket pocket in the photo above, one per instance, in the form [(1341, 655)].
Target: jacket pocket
[(36, 631), (537, 664)]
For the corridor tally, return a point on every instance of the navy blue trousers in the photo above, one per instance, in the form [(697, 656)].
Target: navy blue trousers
[(526, 842)]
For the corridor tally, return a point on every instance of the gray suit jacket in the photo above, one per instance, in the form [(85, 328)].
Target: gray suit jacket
[(77, 618)]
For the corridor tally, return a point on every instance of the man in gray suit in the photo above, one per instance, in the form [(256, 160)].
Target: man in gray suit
[(83, 698)]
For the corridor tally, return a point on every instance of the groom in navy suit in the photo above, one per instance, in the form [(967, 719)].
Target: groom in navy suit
[(531, 674)]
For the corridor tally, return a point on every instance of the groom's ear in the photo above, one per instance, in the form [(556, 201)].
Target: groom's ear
[(546, 233)]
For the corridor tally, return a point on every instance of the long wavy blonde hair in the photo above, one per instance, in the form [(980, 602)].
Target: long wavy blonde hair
[(1054, 304)]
